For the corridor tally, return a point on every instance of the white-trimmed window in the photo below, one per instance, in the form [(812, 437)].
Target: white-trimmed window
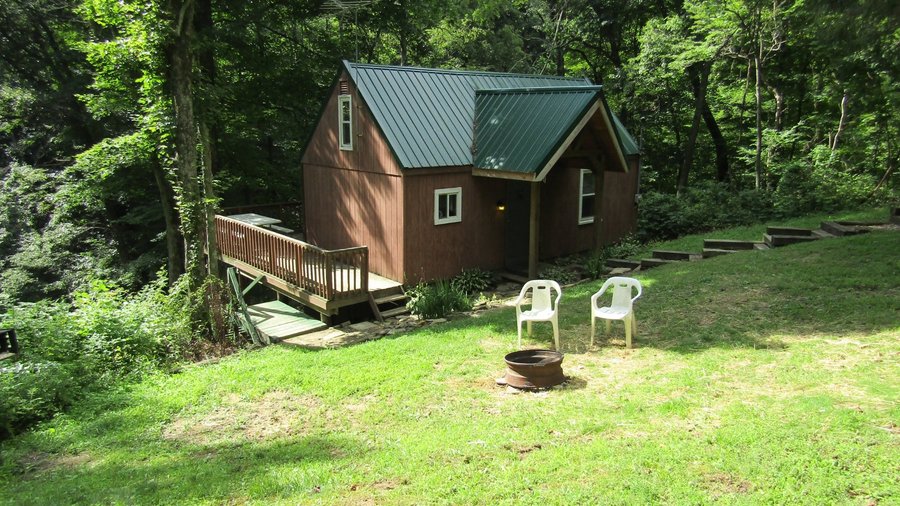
[(586, 197), (447, 205), (345, 122)]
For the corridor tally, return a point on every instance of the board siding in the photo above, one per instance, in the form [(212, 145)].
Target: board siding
[(354, 198), (442, 251), (371, 152), (561, 234)]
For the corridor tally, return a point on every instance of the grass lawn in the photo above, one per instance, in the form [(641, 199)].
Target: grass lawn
[(757, 377)]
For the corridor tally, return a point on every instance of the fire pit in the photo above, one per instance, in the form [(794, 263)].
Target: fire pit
[(534, 369)]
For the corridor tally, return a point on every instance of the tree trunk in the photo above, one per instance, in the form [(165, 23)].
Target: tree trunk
[(191, 206), (722, 169), (174, 260), (843, 121), (758, 161), (698, 76), (210, 204)]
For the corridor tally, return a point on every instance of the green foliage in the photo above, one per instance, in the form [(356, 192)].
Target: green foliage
[(704, 207), (106, 335), (437, 300), (472, 281), (562, 274)]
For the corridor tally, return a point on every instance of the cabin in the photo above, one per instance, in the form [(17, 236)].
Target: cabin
[(440, 170), (414, 174)]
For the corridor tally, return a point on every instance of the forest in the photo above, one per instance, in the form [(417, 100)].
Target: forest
[(125, 125)]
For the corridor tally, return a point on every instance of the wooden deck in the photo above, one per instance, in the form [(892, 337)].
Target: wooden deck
[(325, 280)]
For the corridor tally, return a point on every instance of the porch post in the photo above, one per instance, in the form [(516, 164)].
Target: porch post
[(534, 230), (599, 174)]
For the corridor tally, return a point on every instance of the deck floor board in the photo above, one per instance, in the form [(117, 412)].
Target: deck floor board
[(280, 321)]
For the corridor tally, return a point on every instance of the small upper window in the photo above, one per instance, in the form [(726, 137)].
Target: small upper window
[(586, 197), (447, 206), (345, 122)]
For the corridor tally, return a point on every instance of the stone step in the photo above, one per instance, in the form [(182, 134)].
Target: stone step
[(729, 244), (777, 241), (714, 252), (649, 263), (839, 229), (793, 231), (621, 262), (671, 255), (394, 312)]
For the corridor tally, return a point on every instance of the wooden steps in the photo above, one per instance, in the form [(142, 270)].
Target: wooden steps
[(672, 255), (615, 263), (840, 229), (388, 302), (279, 321), (649, 263), (729, 244)]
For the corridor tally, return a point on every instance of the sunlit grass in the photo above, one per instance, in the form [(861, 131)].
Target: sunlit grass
[(758, 377)]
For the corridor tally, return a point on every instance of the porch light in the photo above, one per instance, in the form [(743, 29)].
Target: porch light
[(501, 206)]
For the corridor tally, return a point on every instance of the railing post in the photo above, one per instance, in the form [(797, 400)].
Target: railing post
[(329, 277), (364, 270)]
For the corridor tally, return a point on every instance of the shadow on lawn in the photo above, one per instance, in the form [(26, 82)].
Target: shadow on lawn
[(189, 473)]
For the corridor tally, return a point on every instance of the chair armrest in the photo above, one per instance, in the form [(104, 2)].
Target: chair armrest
[(640, 291)]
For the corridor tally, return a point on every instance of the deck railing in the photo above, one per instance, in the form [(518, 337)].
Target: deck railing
[(330, 274)]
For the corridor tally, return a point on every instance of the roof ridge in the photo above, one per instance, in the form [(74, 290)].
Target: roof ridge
[(376, 66), (540, 89)]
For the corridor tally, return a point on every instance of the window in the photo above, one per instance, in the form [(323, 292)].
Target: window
[(447, 206), (586, 197), (345, 122)]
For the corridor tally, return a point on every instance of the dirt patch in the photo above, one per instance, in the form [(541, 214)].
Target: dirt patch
[(275, 414), (39, 462), (723, 483)]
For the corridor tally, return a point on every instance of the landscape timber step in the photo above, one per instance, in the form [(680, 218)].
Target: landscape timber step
[(672, 255), (794, 231), (621, 262), (714, 252), (729, 244), (649, 263), (839, 229), (777, 241), (395, 312)]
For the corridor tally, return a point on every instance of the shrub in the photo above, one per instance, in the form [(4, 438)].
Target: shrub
[(104, 336), (437, 300), (472, 281), (561, 274), (30, 392), (595, 264)]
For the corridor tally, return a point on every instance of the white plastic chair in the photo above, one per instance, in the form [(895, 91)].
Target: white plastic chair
[(543, 309), (622, 307)]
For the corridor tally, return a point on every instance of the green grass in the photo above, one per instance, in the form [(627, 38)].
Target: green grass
[(757, 377), (694, 242)]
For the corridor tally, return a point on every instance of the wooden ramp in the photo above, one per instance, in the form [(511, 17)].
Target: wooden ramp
[(279, 321)]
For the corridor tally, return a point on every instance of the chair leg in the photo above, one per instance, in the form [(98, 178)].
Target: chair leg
[(519, 328), (608, 326), (628, 325), (633, 324), (593, 329), (555, 332), (529, 328)]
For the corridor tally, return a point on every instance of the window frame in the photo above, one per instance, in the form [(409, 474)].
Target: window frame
[(345, 144), (440, 192), (583, 220)]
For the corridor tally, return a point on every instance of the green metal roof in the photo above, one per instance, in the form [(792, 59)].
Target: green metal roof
[(518, 130), (427, 115)]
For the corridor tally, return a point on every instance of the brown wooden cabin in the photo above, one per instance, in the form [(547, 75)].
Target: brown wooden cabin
[(439, 170)]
